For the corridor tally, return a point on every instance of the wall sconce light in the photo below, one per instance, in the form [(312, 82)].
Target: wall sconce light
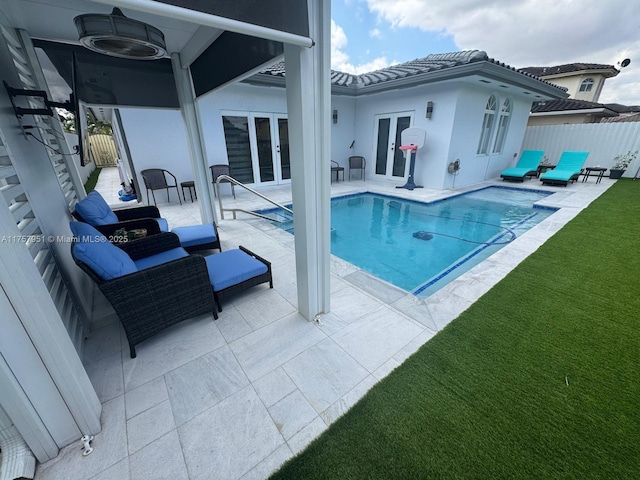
[(429, 111), (335, 116)]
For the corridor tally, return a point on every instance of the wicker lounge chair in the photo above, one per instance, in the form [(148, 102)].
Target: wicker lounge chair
[(567, 170), (95, 211), (153, 283), (527, 166)]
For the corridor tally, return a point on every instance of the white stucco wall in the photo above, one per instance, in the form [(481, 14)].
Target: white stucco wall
[(431, 159), (157, 137), (470, 109)]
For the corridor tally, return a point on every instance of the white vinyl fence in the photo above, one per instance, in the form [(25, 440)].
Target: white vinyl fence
[(603, 141)]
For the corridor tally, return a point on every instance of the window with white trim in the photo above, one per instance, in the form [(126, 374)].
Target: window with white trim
[(586, 85), (503, 126), (487, 125)]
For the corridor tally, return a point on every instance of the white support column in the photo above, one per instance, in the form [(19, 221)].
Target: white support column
[(308, 106), (193, 126)]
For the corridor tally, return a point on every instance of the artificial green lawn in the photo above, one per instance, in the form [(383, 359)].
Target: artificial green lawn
[(539, 379)]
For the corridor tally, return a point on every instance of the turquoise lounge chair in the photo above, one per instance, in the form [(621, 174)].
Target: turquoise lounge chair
[(567, 170), (527, 166)]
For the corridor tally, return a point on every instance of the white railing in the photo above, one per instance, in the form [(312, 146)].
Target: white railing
[(603, 141), (233, 181)]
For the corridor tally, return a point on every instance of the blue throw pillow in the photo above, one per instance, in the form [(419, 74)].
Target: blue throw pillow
[(95, 250), (95, 210)]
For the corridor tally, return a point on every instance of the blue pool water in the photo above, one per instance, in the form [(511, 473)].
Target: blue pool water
[(420, 247)]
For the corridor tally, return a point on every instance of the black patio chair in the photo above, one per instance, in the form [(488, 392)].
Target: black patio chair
[(335, 167), (159, 179), (357, 163), (221, 169)]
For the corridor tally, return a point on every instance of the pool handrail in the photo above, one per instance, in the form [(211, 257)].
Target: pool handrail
[(233, 181)]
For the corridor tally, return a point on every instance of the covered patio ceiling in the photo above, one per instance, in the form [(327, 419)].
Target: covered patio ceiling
[(220, 42)]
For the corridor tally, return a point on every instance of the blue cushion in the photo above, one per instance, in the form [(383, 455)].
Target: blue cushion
[(95, 210), (160, 258), (101, 256), (163, 224), (196, 235), (231, 268)]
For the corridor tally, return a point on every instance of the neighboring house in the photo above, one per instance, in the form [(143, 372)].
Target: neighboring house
[(569, 110), (473, 109), (583, 82), (626, 113)]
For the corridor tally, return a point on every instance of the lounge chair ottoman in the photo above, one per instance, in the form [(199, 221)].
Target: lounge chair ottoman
[(233, 271), (198, 237)]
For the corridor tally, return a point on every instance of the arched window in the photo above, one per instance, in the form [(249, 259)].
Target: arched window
[(487, 125), (586, 85), (503, 126)]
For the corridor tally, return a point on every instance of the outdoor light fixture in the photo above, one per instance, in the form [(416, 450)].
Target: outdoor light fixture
[(335, 116), (119, 36), (429, 111)]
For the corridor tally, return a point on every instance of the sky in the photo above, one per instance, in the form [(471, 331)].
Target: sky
[(367, 35)]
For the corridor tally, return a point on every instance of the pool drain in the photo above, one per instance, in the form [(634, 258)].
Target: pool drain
[(422, 235)]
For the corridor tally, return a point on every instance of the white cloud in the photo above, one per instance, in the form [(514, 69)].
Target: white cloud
[(340, 59), (375, 33), (532, 33)]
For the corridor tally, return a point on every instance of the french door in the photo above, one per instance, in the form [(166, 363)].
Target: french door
[(258, 147), (390, 160)]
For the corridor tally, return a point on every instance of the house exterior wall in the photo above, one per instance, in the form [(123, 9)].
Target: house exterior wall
[(465, 136), (572, 82), (452, 132), (432, 157)]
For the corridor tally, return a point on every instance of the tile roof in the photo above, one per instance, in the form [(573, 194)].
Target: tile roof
[(622, 118), (430, 63), (566, 104), (567, 68)]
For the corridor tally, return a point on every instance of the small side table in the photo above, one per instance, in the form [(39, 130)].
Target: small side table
[(192, 189), (588, 170), (544, 168)]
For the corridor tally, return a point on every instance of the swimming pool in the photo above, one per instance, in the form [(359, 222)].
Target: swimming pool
[(420, 247)]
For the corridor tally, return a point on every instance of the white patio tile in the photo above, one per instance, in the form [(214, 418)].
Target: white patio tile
[(231, 324), (350, 303), (416, 308), (324, 373), (268, 348), (445, 306), (413, 346), (386, 368), (375, 338), (145, 396), (109, 448), (102, 343), (348, 400), (292, 414), (149, 425), (264, 309), (230, 438), (269, 465), (304, 437), (383, 291), (119, 471), (274, 386), (106, 377), (170, 349), (203, 382), (160, 460)]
